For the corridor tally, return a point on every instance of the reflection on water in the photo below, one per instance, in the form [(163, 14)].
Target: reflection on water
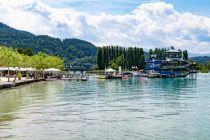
[(138, 108), (12, 100)]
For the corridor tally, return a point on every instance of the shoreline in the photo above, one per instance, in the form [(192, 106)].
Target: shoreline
[(7, 85)]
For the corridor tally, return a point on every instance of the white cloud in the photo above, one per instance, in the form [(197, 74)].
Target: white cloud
[(150, 25)]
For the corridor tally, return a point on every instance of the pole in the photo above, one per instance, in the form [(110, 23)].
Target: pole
[(8, 75)]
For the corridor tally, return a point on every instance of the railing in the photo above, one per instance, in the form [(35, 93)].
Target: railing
[(175, 67)]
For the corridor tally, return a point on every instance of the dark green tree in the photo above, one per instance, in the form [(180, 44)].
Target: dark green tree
[(28, 51), (100, 58), (185, 55)]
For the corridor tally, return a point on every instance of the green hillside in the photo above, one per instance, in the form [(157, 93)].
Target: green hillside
[(201, 59), (73, 51)]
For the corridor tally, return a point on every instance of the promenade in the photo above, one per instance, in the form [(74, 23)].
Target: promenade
[(4, 84)]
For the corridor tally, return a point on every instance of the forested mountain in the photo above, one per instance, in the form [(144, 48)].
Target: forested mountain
[(201, 59), (73, 51)]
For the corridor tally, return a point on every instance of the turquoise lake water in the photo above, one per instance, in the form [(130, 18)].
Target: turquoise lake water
[(134, 109)]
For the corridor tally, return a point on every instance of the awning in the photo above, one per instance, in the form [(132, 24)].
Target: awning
[(52, 70)]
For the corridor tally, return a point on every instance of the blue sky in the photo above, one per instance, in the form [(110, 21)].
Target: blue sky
[(201, 7)]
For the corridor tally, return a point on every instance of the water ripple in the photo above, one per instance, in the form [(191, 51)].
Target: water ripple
[(138, 108)]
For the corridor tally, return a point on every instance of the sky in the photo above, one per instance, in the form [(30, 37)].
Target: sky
[(124, 6), (185, 24)]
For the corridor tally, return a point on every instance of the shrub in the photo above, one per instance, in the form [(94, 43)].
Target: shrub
[(19, 76)]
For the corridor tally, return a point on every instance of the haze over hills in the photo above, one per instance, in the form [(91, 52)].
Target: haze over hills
[(73, 51)]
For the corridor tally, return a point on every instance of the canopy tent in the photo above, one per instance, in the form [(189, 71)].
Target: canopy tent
[(10, 68), (51, 70), (23, 69), (30, 69), (27, 69), (3, 68), (16, 69), (110, 70)]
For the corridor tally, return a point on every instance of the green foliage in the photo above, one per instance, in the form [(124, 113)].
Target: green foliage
[(19, 76), (14, 80), (114, 66), (100, 58), (40, 61), (8, 57), (27, 51), (27, 76), (185, 55), (201, 59), (160, 53), (72, 51), (203, 63), (115, 56), (20, 50), (119, 60), (203, 68), (95, 67), (43, 61)]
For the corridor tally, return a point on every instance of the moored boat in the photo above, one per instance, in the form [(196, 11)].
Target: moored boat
[(172, 65), (101, 77), (153, 74)]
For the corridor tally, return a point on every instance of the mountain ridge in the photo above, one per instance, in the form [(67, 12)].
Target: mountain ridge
[(201, 59), (73, 51)]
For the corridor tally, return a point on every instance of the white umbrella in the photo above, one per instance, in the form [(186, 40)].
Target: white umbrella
[(3, 68), (52, 70), (110, 70), (23, 69), (30, 69), (10, 68)]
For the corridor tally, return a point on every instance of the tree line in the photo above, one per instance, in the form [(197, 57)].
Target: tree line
[(26, 58), (203, 68), (161, 53), (115, 56)]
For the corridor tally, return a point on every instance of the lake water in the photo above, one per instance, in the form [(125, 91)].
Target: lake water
[(138, 108)]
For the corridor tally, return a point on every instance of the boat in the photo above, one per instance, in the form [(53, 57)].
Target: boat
[(153, 74), (83, 79), (143, 74), (172, 65), (110, 76), (139, 74), (125, 77), (113, 76), (101, 77), (78, 78), (135, 74)]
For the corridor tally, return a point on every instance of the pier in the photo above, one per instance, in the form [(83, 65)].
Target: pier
[(77, 73)]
